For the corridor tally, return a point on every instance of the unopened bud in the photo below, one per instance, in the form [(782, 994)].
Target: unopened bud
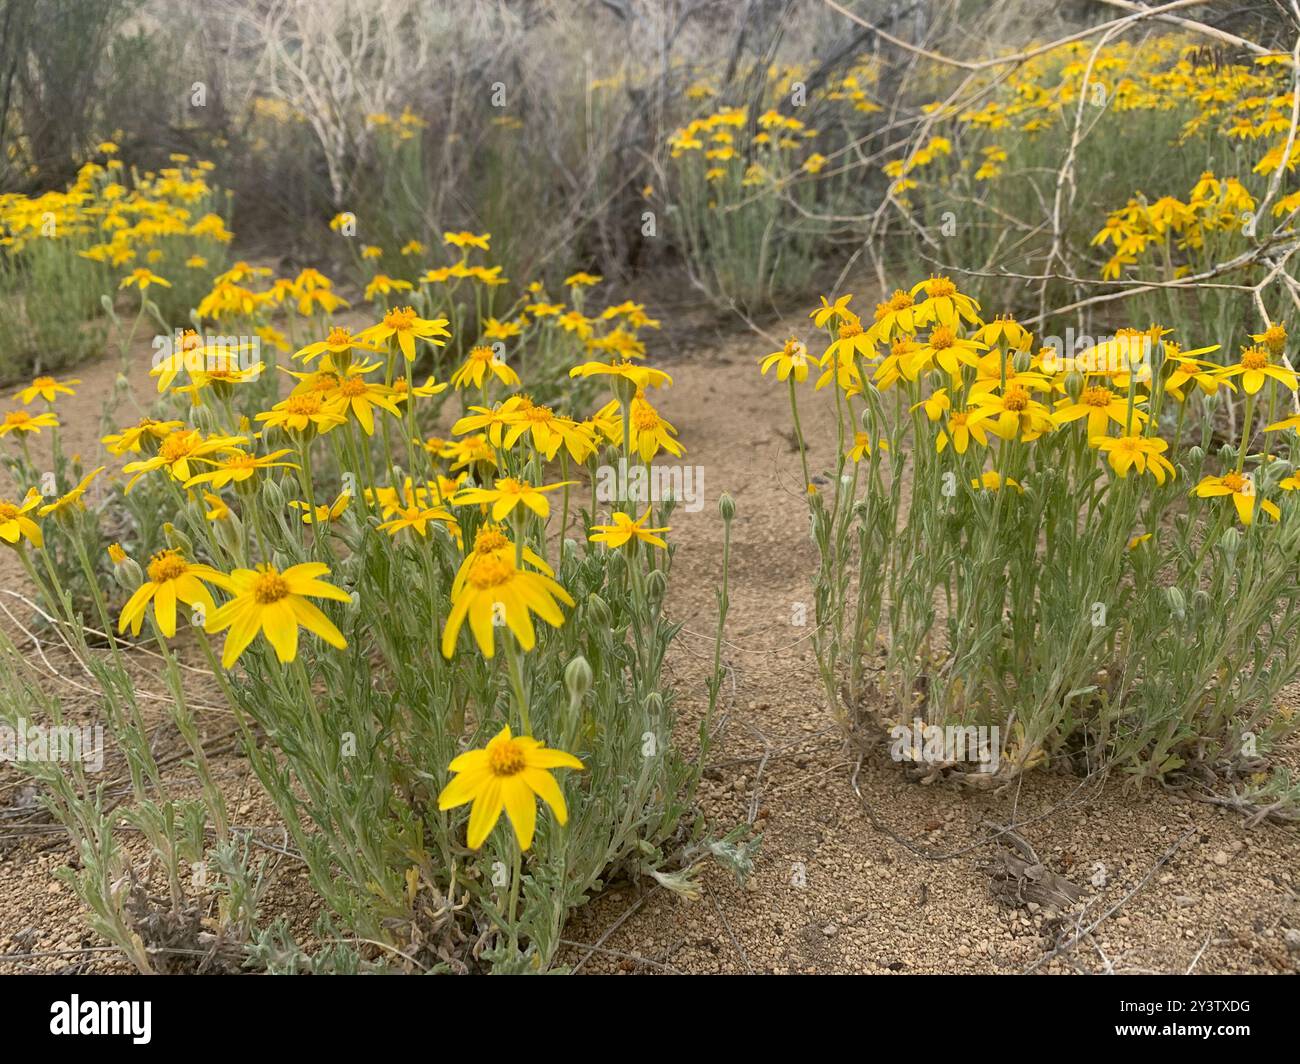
[(127, 574), (578, 678), (178, 540), (598, 611), (656, 586), (273, 494)]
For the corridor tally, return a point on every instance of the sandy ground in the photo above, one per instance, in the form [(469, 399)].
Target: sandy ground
[(831, 891)]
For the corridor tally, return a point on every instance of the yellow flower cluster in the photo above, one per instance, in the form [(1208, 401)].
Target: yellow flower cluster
[(1139, 228), (116, 219), (980, 381)]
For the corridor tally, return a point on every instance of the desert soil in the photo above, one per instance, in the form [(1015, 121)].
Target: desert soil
[(890, 878)]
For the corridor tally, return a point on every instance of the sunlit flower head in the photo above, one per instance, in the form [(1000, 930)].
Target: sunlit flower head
[(622, 530), (47, 388), (495, 589), (16, 525), (481, 362), (509, 774), (170, 578), (276, 604)]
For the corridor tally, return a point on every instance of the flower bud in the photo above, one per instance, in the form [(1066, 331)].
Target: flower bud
[(1230, 541), (656, 586), (273, 495), (616, 566), (599, 612), (1176, 602), (178, 540), (578, 678), (727, 506), (127, 574), (206, 420), (230, 533)]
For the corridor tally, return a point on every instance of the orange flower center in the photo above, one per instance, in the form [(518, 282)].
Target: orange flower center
[(176, 446), (1235, 482), (339, 337), (1099, 397), (352, 387), (505, 757), (942, 338), (43, 382), (1254, 358), (940, 287), (1274, 338), (1016, 399), (489, 571), (166, 565), (488, 539), (8, 511), (482, 354), (850, 329), (401, 320), (270, 587), (307, 403)]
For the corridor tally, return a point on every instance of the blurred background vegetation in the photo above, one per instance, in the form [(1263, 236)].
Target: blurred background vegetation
[(551, 124)]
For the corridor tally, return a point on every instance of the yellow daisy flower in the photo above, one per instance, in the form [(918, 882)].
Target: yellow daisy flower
[(47, 388), (622, 530), (480, 362), (509, 773), (506, 494), (493, 586), (276, 604), (1241, 487), (22, 421), (15, 525), (171, 579)]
